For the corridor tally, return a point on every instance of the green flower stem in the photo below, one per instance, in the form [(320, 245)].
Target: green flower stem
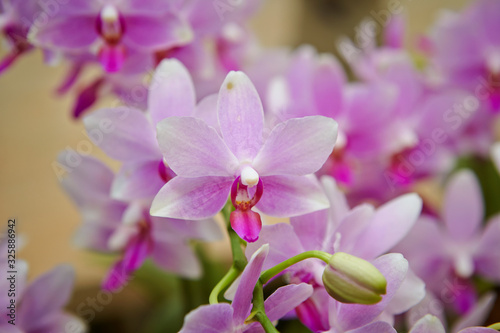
[(239, 259), (273, 271), (258, 310), (222, 285)]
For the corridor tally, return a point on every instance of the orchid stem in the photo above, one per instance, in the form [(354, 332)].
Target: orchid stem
[(229, 278), (239, 259), (273, 271), (259, 310)]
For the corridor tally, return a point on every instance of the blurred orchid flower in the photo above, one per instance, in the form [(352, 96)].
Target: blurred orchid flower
[(39, 304), (112, 29), (125, 227), (458, 247)]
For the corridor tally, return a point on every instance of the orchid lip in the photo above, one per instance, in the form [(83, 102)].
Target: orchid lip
[(245, 222), (239, 195)]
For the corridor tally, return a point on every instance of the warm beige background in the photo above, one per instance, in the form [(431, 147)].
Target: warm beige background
[(35, 125)]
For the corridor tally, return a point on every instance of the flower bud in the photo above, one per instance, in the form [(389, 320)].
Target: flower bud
[(350, 279)]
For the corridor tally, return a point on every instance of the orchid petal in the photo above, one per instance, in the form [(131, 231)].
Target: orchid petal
[(171, 92), (283, 243), (314, 312), (193, 149), (206, 110), (394, 32), (243, 298), (288, 196), (62, 322), (411, 292), (136, 253), (137, 181), (312, 229), (46, 295), (117, 277), (390, 224), (376, 327), (299, 146), (327, 86), (477, 315), (87, 181), (123, 133), (478, 330), (352, 226), (425, 250), (8, 328), (338, 201), (285, 299), (191, 198), (428, 305), (74, 32), (215, 318), (94, 236), (241, 116), (487, 256), (207, 230), (149, 33), (78, 7), (150, 7), (178, 257), (463, 205), (428, 324), (87, 97)]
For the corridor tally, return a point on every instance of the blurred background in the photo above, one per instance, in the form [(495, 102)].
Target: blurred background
[(36, 125)]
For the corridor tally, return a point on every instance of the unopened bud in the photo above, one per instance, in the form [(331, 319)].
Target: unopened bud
[(350, 279)]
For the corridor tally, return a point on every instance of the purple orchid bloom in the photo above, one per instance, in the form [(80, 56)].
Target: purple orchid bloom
[(454, 250), (352, 231), (221, 41), (127, 84), (382, 122), (231, 318), (118, 226), (269, 172), (39, 305), (14, 25), (474, 35), (112, 29), (129, 135)]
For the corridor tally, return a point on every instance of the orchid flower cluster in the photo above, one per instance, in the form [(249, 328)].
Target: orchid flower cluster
[(227, 134)]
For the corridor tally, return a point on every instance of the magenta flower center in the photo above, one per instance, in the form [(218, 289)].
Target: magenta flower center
[(110, 25), (165, 172), (244, 221)]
